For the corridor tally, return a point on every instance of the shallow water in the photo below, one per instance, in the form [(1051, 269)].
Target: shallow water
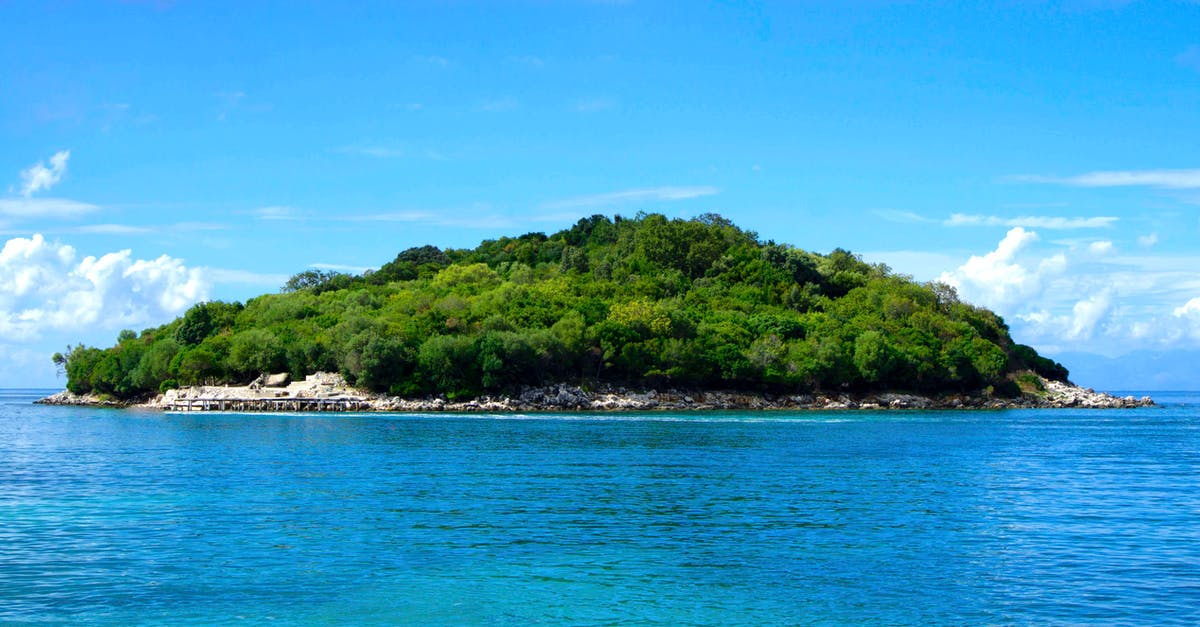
[(1005, 517)]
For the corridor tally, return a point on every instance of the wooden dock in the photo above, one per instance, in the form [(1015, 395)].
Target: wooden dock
[(269, 404)]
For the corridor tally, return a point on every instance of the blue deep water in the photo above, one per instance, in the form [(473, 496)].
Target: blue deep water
[(886, 518)]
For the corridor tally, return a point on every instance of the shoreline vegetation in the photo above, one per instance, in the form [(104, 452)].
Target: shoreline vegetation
[(329, 392), (610, 314)]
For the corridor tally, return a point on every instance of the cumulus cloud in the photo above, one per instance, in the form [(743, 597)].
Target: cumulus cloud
[(1180, 328), (39, 177), (45, 286), (999, 279), (1088, 313), (1014, 281), (1079, 324), (1148, 240), (1190, 308), (1032, 222), (1072, 295)]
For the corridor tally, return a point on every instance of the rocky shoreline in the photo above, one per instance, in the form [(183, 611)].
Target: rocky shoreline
[(327, 390)]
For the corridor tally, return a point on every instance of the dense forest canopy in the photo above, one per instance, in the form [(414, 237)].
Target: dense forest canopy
[(646, 301)]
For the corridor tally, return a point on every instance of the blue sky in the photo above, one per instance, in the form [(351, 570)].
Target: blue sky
[(1041, 156)]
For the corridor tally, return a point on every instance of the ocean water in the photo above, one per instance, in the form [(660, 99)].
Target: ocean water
[(884, 518)]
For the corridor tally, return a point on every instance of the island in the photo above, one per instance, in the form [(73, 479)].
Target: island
[(613, 313)]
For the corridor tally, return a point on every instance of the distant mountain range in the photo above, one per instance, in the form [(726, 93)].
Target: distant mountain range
[(1140, 370)]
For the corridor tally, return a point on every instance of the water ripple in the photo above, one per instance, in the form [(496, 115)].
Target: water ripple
[(110, 517)]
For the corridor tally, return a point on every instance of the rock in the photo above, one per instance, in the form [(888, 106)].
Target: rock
[(610, 398), (66, 397)]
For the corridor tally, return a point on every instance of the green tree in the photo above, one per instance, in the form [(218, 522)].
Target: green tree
[(874, 358), (155, 365), (646, 301), (448, 363), (255, 351), (378, 362), (196, 365), (197, 324)]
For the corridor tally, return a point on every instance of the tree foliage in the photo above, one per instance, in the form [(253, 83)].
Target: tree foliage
[(647, 301)]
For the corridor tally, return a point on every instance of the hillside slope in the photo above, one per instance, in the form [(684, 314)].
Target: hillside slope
[(644, 301)]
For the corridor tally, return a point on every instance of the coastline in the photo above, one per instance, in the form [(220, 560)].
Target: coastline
[(329, 392)]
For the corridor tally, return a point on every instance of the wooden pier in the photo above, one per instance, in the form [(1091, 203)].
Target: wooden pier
[(269, 404)]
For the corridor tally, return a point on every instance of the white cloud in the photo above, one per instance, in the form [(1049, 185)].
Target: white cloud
[(44, 208), (1079, 325), (44, 286), (1032, 222), (1180, 329), (114, 229), (1167, 179), (895, 215), (998, 279), (652, 194), (1086, 314), (38, 177), (1190, 308), (278, 212), (1087, 297), (1148, 240)]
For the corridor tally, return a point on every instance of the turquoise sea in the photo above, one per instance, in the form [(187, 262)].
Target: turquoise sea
[(883, 518)]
